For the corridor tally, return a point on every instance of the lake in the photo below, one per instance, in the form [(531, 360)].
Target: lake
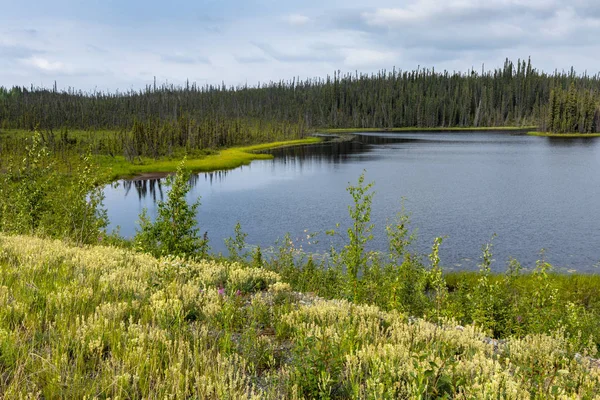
[(534, 193)]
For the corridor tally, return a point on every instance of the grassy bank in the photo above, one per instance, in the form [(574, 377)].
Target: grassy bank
[(439, 129), (224, 159), (564, 135), (67, 146), (103, 322)]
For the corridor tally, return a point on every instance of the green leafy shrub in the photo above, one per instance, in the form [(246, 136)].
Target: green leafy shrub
[(236, 244), (174, 232), (37, 199)]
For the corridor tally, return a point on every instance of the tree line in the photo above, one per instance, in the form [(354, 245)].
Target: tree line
[(192, 116), (572, 111)]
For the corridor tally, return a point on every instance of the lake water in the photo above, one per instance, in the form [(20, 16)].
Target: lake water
[(534, 193)]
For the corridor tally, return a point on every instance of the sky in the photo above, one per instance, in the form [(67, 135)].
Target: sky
[(109, 45)]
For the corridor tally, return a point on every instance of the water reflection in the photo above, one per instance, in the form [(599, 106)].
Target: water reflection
[(155, 187), (571, 142), (211, 177), (532, 192), (327, 153), (333, 152), (143, 187)]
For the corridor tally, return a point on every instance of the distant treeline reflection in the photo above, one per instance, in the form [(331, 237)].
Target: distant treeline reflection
[(145, 186), (155, 186), (326, 153)]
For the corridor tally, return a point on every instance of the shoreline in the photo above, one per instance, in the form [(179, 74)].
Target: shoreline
[(226, 159), (437, 129), (564, 135)]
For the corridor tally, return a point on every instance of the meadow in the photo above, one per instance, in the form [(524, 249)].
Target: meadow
[(106, 322)]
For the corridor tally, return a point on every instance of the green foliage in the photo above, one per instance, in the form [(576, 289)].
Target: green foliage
[(405, 273), (25, 189), (408, 290), (359, 234), (174, 232), (436, 279), (236, 244), (485, 299), (35, 198), (544, 299), (161, 120), (80, 205), (572, 111), (398, 235), (257, 258), (353, 258)]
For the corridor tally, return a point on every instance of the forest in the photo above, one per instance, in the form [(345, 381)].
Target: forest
[(159, 119)]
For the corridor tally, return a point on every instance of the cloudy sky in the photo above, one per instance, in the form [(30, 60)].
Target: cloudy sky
[(123, 44)]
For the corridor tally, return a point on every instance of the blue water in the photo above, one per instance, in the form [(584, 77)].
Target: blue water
[(534, 193)]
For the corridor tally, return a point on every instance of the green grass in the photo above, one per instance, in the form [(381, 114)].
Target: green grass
[(114, 167), (80, 135), (438, 129), (564, 135), (119, 167)]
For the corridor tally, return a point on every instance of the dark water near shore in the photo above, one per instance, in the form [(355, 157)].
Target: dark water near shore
[(534, 193)]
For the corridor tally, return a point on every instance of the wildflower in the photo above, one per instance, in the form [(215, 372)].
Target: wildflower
[(519, 319), (221, 291)]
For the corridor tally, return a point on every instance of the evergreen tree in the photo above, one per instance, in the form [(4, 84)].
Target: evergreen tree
[(175, 230)]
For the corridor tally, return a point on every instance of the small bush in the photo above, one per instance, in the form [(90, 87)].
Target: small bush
[(174, 232)]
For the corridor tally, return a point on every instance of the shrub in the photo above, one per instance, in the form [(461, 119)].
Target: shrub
[(174, 232), (36, 199)]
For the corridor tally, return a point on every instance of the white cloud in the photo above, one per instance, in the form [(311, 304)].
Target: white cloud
[(275, 43), (392, 16), (296, 19), (369, 58), (421, 11), (45, 65)]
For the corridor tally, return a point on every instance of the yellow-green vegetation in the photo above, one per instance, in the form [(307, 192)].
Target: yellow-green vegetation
[(572, 110), (420, 129), (88, 136), (37, 196), (564, 135), (104, 322), (231, 158), (66, 146)]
